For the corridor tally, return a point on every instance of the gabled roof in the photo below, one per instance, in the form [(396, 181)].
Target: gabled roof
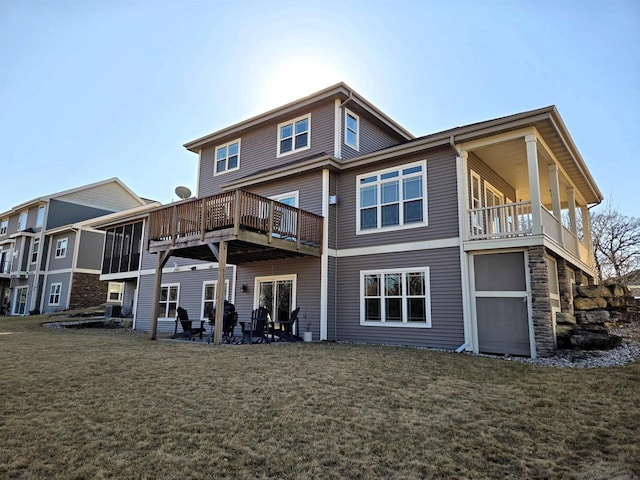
[(47, 198), (341, 90)]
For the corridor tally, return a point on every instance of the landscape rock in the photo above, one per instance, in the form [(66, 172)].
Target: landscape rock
[(595, 341), (592, 316), (589, 303), (618, 290), (563, 318), (593, 291)]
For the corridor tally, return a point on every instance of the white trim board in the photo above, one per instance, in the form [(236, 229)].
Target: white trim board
[(396, 248)]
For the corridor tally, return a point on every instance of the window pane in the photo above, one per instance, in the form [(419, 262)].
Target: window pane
[(222, 153), (408, 171), (415, 283), (384, 176), (413, 211), (163, 294), (286, 145), (390, 215), (394, 310), (372, 309), (369, 218), (302, 125), (372, 285), (368, 196), (233, 162), (390, 192), (209, 292), (172, 310), (392, 285), (351, 137), (352, 123), (368, 179), (233, 149), (301, 140), (286, 131), (412, 188), (417, 310), (173, 294), (220, 166)]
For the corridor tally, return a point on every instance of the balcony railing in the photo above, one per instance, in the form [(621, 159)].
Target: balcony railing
[(237, 210), (510, 220)]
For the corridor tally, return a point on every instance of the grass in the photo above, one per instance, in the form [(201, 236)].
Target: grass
[(78, 404)]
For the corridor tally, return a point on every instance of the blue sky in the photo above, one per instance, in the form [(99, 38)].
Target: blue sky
[(95, 89)]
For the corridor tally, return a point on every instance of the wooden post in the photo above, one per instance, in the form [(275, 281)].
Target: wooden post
[(271, 205), (160, 263), (203, 218), (222, 265), (174, 225), (237, 212)]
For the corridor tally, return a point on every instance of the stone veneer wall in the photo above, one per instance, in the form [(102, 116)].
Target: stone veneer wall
[(87, 291), (540, 302), (564, 285)]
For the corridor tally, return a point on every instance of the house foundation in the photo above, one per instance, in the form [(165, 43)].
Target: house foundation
[(541, 302)]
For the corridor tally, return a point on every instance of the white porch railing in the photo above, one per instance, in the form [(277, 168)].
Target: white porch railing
[(509, 220)]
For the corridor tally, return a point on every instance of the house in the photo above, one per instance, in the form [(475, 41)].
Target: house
[(48, 261), (465, 239)]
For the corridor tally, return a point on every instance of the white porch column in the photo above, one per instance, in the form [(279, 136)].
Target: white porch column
[(554, 184), (534, 183), (571, 204), (464, 231)]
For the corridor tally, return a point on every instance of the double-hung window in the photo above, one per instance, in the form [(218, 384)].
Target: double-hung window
[(36, 248), (227, 157), (392, 198), (61, 248), (209, 293), (294, 135), (4, 226), (395, 297), (40, 217), (168, 303), (352, 129), (54, 294)]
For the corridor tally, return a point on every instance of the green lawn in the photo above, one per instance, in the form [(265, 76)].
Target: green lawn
[(110, 404)]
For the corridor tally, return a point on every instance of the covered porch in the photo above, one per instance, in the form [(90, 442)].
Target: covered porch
[(233, 227), (528, 186)]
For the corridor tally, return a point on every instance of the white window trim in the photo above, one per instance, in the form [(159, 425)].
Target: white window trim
[(169, 285), (477, 228), (355, 146), (404, 323), (57, 285), (215, 158), (295, 194), (40, 219), (4, 226), (392, 228), (274, 278), (36, 241), (16, 295), (293, 145), (490, 188), (215, 284), (59, 241), (24, 215)]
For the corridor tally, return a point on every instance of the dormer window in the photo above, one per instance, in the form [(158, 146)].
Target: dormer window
[(294, 135), (22, 221), (227, 157)]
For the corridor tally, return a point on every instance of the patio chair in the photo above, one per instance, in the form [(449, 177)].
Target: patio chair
[(255, 331), (188, 331), (229, 322), (286, 328)]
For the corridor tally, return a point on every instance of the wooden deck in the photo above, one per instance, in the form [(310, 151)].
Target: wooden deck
[(257, 228)]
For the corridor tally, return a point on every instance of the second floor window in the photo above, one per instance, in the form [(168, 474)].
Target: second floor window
[(61, 248), (34, 252), (22, 221), (40, 218), (390, 198), (294, 135), (227, 157), (4, 226)]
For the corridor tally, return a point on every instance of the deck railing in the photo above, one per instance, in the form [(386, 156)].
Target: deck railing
[(239, 210), (510, 220)]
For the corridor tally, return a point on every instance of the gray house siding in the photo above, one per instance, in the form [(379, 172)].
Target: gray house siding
[(332, 303), (189, 295), (65, 213), (90, 250), (259, 148), (67, 260), (442, 198), (309, 187), (373, 136), (65, 279), (447, 329)]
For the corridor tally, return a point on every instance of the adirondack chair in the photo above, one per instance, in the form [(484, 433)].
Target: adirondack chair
[(188, 331), (286, 333), (229, 322), (255, 330)]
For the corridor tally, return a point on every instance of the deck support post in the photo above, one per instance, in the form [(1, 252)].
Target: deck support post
[(160, 263), (222, 265)]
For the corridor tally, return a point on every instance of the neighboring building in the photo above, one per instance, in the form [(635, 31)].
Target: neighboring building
[(468, 238), (48, 261)]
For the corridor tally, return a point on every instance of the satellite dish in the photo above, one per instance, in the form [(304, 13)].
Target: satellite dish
[(183, 192)]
